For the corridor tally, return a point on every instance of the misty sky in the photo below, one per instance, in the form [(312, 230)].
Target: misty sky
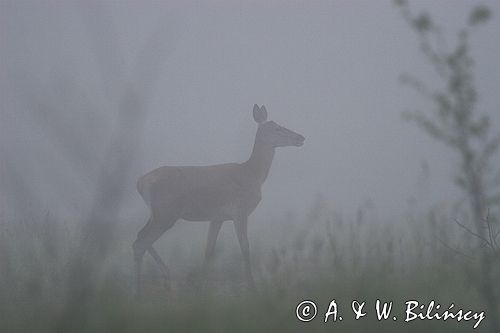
[(326, 69)]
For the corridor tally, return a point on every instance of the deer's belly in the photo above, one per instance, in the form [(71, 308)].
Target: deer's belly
[(211, 208)]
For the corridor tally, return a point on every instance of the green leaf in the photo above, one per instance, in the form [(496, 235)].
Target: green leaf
[(479, 15), (479, 128), (400, 2), (423, 22)]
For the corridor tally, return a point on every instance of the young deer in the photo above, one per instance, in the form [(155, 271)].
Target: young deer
[(215, 193)]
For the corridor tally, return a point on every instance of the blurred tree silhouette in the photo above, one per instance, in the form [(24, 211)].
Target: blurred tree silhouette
[(127, 98), (455, 121)]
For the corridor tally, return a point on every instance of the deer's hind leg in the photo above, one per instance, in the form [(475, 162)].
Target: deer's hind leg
[(160, 221)]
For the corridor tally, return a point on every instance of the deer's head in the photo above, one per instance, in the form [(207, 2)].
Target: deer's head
[(273, 134)]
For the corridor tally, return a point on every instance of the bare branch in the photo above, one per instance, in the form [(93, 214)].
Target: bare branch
[(456, 251), (473, 233), (497, 234), (490, 230)]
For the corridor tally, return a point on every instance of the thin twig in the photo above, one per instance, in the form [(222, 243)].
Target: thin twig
[(494, 237), (488, 224), (490, 230), (498, 233), (473, 233), (453, 249)]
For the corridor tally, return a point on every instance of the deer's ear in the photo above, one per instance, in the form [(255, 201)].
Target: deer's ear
[(264, 111), (259, 114)]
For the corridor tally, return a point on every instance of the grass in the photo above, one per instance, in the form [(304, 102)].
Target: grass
[(338, 259)]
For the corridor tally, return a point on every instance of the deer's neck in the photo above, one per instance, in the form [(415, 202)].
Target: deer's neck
[(259, 163)]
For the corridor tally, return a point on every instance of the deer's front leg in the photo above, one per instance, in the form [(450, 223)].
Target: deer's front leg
[(240, 226)]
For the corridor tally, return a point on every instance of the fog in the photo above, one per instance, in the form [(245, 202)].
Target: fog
[(329, 70), (95, 94)]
